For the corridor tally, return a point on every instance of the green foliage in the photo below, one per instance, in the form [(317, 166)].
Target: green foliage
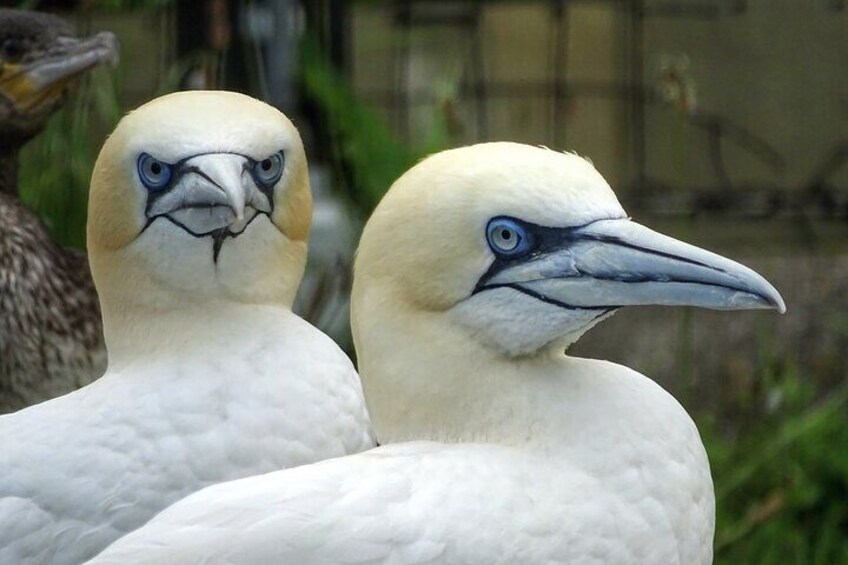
[(56, 166), (362, 143), (782, 481)]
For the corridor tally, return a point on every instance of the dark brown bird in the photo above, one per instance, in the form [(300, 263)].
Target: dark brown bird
[(51, 339)]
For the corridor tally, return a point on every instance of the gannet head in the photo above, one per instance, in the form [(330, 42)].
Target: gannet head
[(523, 248), (196, 196)]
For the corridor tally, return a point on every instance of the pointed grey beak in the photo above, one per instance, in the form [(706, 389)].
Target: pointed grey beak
[(613, 263), (69, 57), (43, 79), (211, 192)]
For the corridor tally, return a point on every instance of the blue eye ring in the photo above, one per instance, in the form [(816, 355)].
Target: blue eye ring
[(508, 237), (268, 171), (153, 173)]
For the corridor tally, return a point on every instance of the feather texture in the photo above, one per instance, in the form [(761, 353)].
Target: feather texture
[(81, 470)]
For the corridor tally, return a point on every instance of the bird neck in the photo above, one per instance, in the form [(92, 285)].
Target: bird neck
[(428, 379), (9, 169), (145, 317), (182, 332), (603, 428)]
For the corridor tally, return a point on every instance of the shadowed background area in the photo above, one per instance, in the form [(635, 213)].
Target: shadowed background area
[(722, 123)]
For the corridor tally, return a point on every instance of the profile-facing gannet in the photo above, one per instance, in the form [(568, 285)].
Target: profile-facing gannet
[(199, 215), (476, 270)]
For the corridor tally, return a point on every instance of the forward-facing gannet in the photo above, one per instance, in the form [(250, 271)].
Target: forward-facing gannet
[(50, 336), (476, 270), (199, 215)]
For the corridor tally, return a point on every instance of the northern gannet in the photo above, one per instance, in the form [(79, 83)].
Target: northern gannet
[(475, 272), (199, 215), (50, 336)]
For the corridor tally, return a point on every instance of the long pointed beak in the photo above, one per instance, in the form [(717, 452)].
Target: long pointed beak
[(43, 79), (613, 263)]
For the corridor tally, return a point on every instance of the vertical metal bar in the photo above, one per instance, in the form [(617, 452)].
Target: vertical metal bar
[(480, 87), (637, 93), (339, 38), (280, 50), (190, 29), (560, 74), (402, 77)]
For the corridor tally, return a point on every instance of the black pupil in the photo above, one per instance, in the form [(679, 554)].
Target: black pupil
[(266, 165), (12, 48), (156, 168), (506, 234)]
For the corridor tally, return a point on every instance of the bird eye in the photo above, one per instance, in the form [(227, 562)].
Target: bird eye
[(507, 237), (12, 49), (268, 171), (154, 174)]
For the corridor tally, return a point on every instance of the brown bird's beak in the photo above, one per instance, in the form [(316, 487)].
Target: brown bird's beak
[(41, 78)]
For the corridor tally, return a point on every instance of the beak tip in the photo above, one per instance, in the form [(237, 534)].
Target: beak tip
[(111, 50), (771, 297), (772, 300)]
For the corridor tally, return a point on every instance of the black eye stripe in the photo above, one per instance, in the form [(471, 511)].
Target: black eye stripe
[(252, 161), (183, 167), (540, 240), (180, 168)]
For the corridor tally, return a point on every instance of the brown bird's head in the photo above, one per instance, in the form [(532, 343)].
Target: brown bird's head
[(40, 57)]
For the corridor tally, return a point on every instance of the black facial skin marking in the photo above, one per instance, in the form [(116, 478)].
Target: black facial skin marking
[(180, 169), (546, 240), (549, 300), (218, 236)]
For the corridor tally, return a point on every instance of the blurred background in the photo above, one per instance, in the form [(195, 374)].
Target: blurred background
[(723, 123)]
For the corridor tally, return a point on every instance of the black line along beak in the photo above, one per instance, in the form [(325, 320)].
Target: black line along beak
[(612, 263)]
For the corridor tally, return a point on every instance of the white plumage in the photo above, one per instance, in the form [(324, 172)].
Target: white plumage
[(211, 377), (437, 503), (534, 457)]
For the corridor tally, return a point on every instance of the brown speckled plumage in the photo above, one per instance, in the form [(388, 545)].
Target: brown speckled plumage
[(50, 336), (51, 339)]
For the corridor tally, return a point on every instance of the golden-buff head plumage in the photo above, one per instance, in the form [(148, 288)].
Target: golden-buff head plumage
[(200, 195), (427, 236), (186, 123), (483, 264)]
